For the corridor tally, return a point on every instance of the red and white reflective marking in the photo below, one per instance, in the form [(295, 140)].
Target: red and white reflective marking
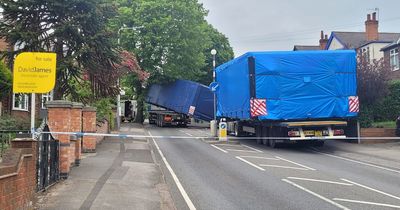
[(354, 104), (258, 107)]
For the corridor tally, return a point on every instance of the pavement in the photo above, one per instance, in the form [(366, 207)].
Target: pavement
[(122, 174)]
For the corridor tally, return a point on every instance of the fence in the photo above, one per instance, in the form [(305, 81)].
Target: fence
[(47, 164)]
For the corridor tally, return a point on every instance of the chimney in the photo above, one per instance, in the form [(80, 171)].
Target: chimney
[(323, 41), (371, 28)]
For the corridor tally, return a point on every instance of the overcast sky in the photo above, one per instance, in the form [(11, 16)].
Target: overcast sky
[(260, 25)]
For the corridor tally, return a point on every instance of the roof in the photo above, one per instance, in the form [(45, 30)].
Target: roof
[(353, 40), (392, 45), (306, 47)]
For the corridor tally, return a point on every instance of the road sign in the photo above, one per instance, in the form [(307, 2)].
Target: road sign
[(34, 72), (213, 86), (223, 131)]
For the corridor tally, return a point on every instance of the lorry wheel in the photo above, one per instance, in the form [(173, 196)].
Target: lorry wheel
[(273, 133), (258, 135), (265, 139), (237, 130)]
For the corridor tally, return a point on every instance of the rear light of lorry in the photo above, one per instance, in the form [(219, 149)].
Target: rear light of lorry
[(168, 118), (338, 132), (293, 133)]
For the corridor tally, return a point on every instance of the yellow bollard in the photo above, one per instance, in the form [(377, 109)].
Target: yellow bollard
[(223, 133)]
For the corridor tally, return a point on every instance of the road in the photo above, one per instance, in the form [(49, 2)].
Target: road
[(251, 176)]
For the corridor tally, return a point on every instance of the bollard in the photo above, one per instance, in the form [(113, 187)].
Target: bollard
[(213, 128), (223, 133)]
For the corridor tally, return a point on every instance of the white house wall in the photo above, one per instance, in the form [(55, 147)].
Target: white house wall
[(375, 50), (335, 45)]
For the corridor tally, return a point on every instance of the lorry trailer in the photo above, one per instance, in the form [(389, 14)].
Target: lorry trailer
[(179, 100), (162, 117), (283, 97)]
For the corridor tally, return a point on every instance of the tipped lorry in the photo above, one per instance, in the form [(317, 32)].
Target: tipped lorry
[(295, 96), (178, 101)]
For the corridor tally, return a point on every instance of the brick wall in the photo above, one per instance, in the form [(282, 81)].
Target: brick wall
[(59, 120), (89, 126), (102, 127), (18, 175)]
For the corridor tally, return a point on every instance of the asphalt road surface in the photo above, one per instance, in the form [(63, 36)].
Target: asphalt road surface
[(251, 176)]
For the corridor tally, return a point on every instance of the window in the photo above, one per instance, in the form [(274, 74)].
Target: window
[(394, 59), (45, 98), (20, 102)]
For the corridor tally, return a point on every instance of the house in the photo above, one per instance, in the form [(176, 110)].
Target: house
[(322, 44), (18, 105), (369, 42), (391, 55)]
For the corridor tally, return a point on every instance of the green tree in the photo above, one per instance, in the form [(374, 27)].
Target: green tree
[(171, 39), (219, 42), (5, 80), (75, 30)]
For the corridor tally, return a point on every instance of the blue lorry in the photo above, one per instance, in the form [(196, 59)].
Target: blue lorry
[(296, 96), (177, 101)]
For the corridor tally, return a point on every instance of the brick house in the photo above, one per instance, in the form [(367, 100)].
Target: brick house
[(18, 105), (369, 42), (322, 44), (391, 54)]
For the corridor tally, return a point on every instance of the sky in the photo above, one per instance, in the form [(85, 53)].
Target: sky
[(265, 25)]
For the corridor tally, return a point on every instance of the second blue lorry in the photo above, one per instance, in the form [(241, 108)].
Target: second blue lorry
[(290, 96)]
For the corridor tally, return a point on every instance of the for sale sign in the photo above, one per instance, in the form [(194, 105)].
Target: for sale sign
[(34, 72)]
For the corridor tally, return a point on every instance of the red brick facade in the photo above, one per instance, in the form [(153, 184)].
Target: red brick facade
[(59, 120), (18, 175), (89, 126)]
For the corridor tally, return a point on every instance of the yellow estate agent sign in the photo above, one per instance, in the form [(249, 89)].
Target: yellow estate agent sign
[(34, 72)]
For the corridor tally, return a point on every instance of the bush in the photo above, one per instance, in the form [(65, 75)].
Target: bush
[(366, 116), (10, 123), (389, 108), (5, 80), (104, 111)]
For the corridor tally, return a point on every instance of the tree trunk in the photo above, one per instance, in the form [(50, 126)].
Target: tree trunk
[(140, 103), (57, 91)]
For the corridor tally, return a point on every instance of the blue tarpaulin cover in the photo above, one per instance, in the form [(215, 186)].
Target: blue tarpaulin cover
[(181, 95), (295, 84)]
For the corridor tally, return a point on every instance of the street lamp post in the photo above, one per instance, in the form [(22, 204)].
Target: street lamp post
[(213, 53), (119, 92), (213, 124)]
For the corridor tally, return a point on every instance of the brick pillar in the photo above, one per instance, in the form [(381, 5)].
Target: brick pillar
[(76, 126), (89, 126), (59, 120)]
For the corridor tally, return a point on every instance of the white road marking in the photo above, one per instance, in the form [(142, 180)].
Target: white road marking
[(309, 168), (287, 167), (366, 202), (256, 157), (185, 132), (359, 162), (219, 148), (316, 195), (252, 148), (240, 150), (176, 180), (372, 189), (252, 164), (319, 180)]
